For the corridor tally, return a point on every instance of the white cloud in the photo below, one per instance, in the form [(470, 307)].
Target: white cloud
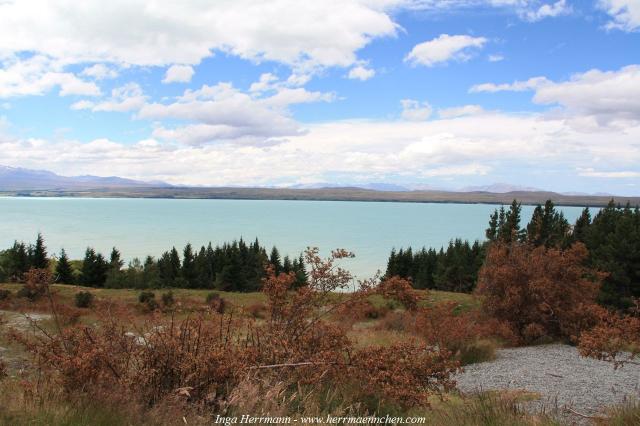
[(460, 111), (590, 172), (413, 110), (495, 58), (123, 99), (516, 86), (222, 112), (528, 10), (142, 32), (547, 10), (364, 150), (625, 14), (361, 73), (38, 75), (266, 82), (606, 96), (99, 72), (444, 48), (178, 74)]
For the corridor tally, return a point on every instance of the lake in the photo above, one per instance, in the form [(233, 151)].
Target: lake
[(139, 227)]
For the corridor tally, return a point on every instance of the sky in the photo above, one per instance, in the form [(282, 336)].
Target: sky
[(420, 93)]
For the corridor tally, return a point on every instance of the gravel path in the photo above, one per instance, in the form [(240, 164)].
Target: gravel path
[(559, 374)]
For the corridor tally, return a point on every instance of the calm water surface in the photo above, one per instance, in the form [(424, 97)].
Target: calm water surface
[(139, 227)]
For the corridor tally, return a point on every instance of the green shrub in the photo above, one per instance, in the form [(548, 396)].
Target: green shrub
[(84, 299), (167, 299), (28, 292), (216, 302), (4, 294), (146, 296)]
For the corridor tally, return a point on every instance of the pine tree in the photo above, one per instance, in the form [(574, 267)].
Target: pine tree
[(188, 270), (274, 260), (94, 269), (492, 231), (64, 271), (582, 226), (39, 256)]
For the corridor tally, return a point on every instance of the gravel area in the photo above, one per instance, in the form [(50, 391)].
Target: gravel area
[(559, 374)]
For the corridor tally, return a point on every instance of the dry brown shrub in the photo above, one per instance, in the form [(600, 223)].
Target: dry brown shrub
[(459, 332), (400, 290), (616, 338), (404, 373), (539, 292), (201, 361), (257, 310)]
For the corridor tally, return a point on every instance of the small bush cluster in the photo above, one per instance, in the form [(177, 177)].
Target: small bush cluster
[(216, 303), (400, 290), (148, 300), (36, 284), (84, 299), (168, 300), (4, 294)]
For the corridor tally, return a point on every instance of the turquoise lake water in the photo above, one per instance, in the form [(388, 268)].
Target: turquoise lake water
[(139, 227)]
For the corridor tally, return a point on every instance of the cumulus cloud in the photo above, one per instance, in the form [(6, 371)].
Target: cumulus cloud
[(38, 75), (354, 149), (361, 73), (444, 48), (547, 10), (413, 110), (625, 14), (516, 86), (528, 10), (606, 95), (326, 33), (123, 99), (460, 111), (223, 112), (178, 74), (99, 72)]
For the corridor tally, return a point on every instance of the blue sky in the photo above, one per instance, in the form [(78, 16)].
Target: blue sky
[(422, 93)]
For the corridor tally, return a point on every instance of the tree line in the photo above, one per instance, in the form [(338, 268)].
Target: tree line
[(235, 266), (612, 238)]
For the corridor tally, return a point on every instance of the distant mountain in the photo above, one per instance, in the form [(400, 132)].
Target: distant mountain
[(500, 188), (18, 178), (374, 186)]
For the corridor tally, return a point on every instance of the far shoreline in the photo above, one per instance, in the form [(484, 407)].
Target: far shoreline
[(326, 194)]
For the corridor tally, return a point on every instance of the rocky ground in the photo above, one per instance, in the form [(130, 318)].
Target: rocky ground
[(564, 380)]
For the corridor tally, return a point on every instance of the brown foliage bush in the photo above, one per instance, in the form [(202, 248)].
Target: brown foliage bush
[(36, 284), (539, 292), (203, 361), (616, 338), (400, 290), (462, 333)]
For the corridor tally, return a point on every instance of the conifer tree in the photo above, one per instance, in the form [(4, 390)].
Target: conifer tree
[(39, 256), (64, 271), (274, 260)]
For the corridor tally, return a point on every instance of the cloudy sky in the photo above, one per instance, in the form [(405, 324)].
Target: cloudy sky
[(443, 93)]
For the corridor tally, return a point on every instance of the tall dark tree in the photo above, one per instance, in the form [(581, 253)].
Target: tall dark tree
[(39, 255), (64, 271), (94, 269), (274, 260), (581, 227), (188, 270)]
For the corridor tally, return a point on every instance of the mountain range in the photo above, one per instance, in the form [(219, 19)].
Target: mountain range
[(18, 178), (23, 179)]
